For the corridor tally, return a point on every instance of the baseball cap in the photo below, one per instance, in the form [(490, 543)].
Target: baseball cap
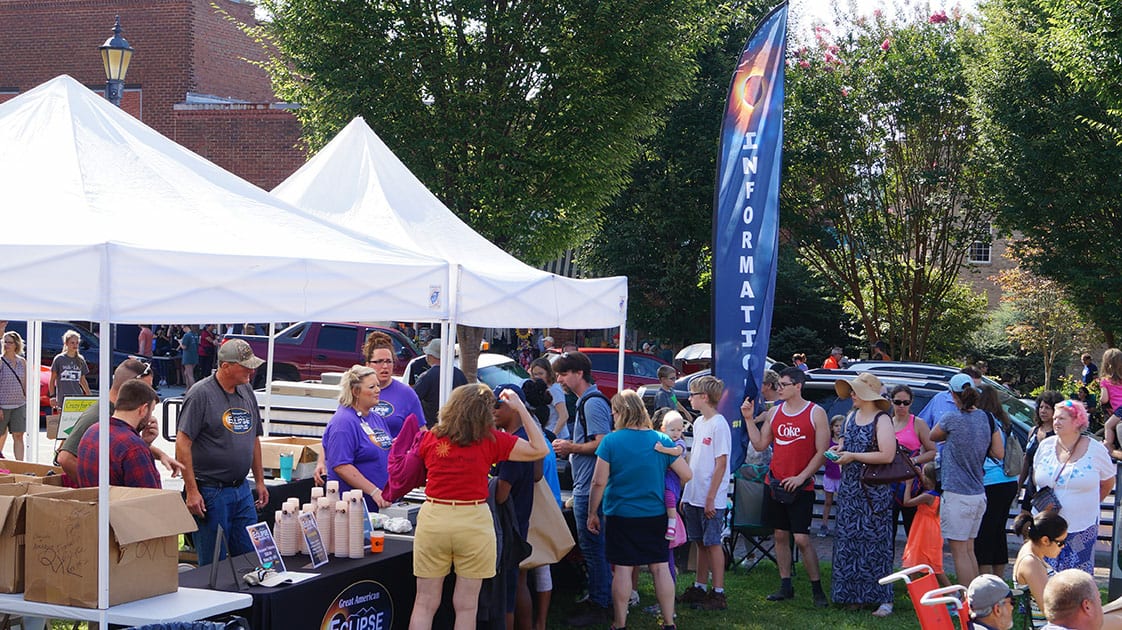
[(432, 349), (960, 382), (238, 351), (514, 388), (987, 591)]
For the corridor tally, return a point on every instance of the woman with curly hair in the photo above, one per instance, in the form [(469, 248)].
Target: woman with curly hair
[(454, 527), (396, 400)]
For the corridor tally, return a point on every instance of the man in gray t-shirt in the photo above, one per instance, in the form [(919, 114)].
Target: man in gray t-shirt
[(218, 441)]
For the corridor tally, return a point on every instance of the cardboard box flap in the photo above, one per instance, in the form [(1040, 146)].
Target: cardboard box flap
[(304, 450), (144, 513), (28, 468), (12, 504)]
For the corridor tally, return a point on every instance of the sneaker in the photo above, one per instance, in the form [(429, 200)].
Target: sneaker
[(820, 600), (883, 610), (590, 615), (713, 601), (823, 531), (633, 601), (692, 595), (781, 595)]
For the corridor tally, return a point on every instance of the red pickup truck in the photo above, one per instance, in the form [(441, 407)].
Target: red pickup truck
[(305, 350)]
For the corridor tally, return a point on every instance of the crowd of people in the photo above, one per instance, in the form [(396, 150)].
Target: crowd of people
[(636, 493)]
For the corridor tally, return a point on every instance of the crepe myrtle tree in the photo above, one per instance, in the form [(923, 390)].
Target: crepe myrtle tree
[(522, 117), (877, 193)]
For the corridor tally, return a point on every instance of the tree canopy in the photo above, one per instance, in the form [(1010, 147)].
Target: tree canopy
[(522, 116), (878, 190), (1052, 180)]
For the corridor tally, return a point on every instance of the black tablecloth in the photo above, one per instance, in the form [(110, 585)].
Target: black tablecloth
[(375, 592)]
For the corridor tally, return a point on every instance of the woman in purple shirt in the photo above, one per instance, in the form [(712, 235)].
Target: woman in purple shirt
[(356, 443)]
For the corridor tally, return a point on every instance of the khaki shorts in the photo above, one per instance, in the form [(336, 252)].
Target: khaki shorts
[(454, 535), (960, 515)]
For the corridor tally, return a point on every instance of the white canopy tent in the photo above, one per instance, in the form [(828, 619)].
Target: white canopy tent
[(106, 220), (356, 182)]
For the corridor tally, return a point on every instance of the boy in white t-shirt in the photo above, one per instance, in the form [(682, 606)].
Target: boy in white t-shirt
[(705, 497)]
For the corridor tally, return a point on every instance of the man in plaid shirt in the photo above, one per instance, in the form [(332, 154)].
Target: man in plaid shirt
[(130, 459)]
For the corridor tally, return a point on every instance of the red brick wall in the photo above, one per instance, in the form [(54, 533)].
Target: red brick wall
[(257, 144), (181, 46), (219, 53), (62, 37)]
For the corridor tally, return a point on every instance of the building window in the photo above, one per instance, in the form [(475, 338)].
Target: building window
[(981, 250)]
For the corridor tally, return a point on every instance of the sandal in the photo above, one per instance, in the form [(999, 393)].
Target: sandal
[(670, 532), (883, 610)]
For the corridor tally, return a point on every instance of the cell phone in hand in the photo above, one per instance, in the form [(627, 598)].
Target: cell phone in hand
[(833, 456)]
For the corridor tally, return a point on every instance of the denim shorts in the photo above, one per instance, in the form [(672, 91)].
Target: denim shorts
[(707, 531)]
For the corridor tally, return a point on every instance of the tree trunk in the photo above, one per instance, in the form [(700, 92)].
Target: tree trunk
[(469, 338)]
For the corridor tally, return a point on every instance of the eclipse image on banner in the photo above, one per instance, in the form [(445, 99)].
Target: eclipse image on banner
[(364, 605)]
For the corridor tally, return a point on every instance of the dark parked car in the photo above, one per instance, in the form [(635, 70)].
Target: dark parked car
[(89, 346), (819, 389)]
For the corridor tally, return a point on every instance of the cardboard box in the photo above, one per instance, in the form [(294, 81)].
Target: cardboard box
[(306, 453), (61, 548), (12, 529), (17, 467), (54, 481)]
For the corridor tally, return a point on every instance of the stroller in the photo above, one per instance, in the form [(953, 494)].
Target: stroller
[(931, 602)]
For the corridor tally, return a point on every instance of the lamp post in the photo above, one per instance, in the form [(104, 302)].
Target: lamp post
[(115, 54)]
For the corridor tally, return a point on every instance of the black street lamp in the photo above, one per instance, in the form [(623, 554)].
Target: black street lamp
[(115, 54)]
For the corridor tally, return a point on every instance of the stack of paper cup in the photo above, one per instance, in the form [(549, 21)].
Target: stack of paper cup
[(342, 544), (317, 492), (333, 491), (325, 520), (286, 541), (356, 533)]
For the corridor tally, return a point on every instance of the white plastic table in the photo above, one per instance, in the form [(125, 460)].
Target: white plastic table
[(186, 604)]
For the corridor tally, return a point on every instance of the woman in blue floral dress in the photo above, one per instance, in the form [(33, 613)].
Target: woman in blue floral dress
[(863, 539)]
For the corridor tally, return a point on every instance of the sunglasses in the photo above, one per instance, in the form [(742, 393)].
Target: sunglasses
[(1061, 542), (901, 403), (380, 362)]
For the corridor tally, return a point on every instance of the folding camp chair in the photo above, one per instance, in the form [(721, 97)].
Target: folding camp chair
[(748, 523), (929, 600)]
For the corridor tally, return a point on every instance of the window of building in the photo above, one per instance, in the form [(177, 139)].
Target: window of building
[(981, 252)]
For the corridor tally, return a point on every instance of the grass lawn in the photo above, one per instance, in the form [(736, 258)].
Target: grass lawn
[(749, 610)]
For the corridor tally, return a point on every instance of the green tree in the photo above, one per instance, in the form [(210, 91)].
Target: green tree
[(1051, 179), (523, 117), (658, 230), (1083, 40), (1047, 322), (878, 192)]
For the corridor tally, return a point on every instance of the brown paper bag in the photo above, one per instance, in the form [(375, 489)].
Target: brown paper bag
[(549, 535)]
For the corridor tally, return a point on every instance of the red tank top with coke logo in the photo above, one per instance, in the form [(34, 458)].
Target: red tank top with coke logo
[(793, 444)]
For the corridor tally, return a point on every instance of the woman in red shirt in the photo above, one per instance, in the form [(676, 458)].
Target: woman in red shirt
[(455, 522)]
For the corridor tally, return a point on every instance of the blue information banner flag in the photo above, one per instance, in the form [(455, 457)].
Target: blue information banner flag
[(746, 221)]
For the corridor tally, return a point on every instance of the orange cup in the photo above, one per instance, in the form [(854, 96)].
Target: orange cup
[(377, 542)]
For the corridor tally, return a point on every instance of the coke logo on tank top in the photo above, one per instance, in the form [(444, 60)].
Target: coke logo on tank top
[(789, 434)]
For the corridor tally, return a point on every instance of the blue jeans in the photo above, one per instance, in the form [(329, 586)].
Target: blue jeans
[(592, 548), (233, 509)]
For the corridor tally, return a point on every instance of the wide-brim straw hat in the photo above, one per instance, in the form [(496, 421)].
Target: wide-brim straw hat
[(866, 386)]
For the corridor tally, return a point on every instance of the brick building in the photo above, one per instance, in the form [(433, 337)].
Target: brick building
[(189, 78)]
